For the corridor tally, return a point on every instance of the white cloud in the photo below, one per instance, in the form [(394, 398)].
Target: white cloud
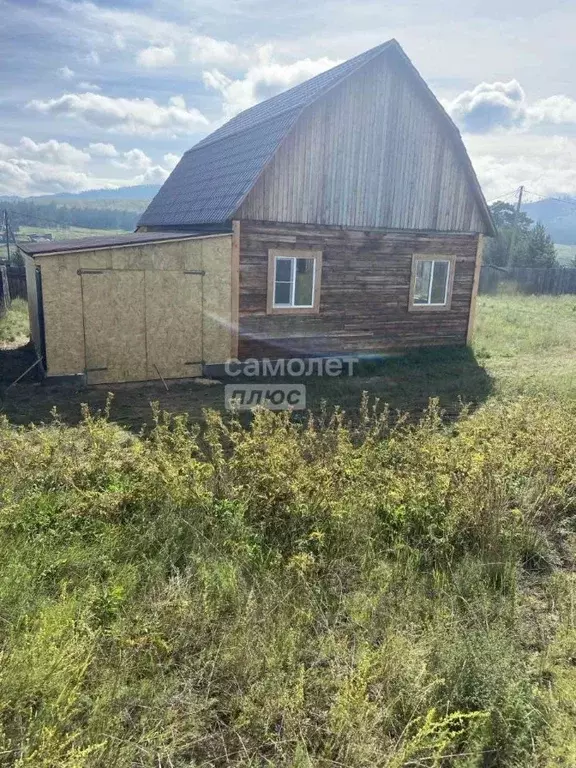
[(207, 50), (134, 159), (488, 106), (262, 80), (171, 160), (153, 57), (492, 106), (154, 175), (155, 41), (99, 149), (554, 110), (544, 164), (30, 167), (26, 177), (66, 73), (140, 117), (92, 58), (49, 151), (119, 41), (137, 161), (86, 86)]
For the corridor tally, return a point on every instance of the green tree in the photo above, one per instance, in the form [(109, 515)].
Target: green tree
[(533, 246), (540, 250)]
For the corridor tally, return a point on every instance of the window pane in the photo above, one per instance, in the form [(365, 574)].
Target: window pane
[(439, 282), (282, 293), (303, 295), (284, 269), (422, 281)]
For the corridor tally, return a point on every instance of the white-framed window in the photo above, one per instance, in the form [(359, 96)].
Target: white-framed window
[(294, 281), (432, 279)]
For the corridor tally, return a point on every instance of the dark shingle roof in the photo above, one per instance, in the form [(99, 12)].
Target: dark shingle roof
[(213, 177), (105, 241), (210, 180)]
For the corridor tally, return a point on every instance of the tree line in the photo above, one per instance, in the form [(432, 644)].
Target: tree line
[(24, 213), (530, 246)]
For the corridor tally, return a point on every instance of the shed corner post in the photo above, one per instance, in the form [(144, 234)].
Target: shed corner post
[(235, 289), (474, 296)]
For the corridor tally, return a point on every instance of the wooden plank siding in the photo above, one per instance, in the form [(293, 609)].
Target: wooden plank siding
[(372, 152), (364, 294)]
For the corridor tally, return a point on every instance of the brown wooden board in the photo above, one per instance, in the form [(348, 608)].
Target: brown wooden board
[(364, 302)]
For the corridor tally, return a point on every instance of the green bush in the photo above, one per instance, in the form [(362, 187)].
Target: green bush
[(293, 594)]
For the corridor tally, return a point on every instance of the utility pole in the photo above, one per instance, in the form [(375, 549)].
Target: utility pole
[(7, 233), (514, 228)]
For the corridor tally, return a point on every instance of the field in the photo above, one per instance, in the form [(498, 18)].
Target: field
[(565, 254), (67, 233), (317, 593), (14, 326)]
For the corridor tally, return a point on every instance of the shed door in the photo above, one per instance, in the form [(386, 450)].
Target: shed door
[(114, 325), (173, 324)]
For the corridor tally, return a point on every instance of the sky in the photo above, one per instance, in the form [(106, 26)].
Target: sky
[(105, 94)]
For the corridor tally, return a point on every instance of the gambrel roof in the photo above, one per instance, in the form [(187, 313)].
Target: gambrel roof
[(214, 177)]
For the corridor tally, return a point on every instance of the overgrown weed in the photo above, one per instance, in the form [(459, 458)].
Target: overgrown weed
[(311, 593)]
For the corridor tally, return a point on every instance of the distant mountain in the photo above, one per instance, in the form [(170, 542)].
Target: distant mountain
[(139, 192), (558, 216)]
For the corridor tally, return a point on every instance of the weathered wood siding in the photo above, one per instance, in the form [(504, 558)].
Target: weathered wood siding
[(373, 152), (364, 296)]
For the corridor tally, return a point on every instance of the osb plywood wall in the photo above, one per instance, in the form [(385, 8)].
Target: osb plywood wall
[(142, 315), (32, 302)]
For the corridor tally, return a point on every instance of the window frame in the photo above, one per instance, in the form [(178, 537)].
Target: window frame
[(433, 257), (289, 309)]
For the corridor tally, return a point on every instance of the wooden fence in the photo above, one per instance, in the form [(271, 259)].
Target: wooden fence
[(4, 292), (17, 282), (527, 280)]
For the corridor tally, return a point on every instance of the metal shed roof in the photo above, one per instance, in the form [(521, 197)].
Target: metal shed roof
[(54, 247)]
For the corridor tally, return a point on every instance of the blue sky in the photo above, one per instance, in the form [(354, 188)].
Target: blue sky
[(103, 94)]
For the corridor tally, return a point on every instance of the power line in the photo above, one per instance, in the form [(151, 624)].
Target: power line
[(507, 194), (556, 199)]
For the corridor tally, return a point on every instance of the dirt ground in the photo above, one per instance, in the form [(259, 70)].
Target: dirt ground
[(32, 400), (452, 376)]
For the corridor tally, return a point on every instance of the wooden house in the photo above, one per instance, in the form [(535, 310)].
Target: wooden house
[(349, 221), (356, 213)]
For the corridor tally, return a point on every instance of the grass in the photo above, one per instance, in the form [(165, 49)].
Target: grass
[(14, 325), (319, 593), (565, 254), (528, 344), (523, 345), (295, 594)]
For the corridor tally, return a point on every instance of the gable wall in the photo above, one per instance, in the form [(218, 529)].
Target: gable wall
[(370, 153)]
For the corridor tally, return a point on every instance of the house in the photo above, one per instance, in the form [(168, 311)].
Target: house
[(347, 216)]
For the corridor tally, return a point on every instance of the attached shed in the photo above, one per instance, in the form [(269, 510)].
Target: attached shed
[(132, 307)]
